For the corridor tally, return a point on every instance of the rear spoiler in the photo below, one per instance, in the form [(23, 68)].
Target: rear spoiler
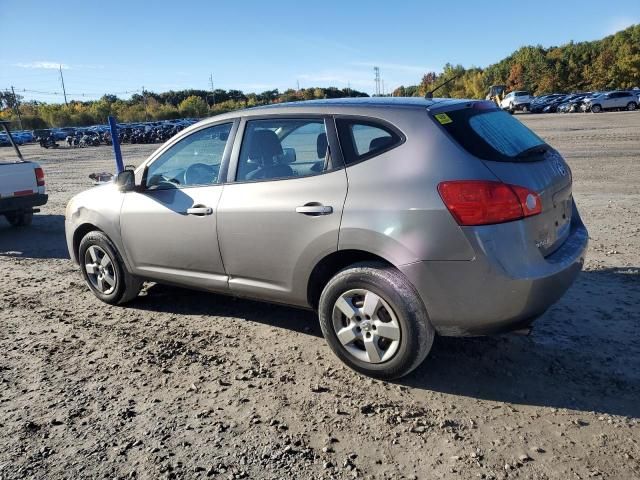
[(5, 125)]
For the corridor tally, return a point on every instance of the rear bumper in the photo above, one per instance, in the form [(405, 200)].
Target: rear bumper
[(503, 288), (12, 204)]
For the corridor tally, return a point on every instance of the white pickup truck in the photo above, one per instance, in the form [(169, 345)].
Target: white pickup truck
[(22, 187)]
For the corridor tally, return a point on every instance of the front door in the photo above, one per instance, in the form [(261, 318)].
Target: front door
[(281, 213), (169, 227)]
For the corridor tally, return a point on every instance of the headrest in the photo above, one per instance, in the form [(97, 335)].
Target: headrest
[(321, 145), (264, 145), (380, 143)]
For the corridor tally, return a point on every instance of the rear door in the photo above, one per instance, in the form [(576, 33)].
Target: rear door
[(280, 212), (517, 156)]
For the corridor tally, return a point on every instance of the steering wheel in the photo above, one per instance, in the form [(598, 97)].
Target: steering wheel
[(200, 174), (161, 181)]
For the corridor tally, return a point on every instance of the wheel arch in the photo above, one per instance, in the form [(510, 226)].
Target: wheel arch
[(331, 264), (79, 234)]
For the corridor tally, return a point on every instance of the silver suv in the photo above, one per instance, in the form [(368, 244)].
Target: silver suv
[(394, 218), (620, 100)]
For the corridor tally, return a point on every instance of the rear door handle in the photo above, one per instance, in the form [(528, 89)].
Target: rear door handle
[(314, 210), (199, 210)]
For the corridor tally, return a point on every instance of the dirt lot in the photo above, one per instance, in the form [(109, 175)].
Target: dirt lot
[(190, 385)]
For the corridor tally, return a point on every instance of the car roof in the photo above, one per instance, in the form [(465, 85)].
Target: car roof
[(343, 106)]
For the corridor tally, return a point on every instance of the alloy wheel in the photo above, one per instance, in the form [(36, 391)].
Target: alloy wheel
[(366, 326), (100, 270)]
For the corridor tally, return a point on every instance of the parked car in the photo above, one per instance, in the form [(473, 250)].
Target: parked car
[(618, 100), (394, 218), (572, 103), (22, 187), (538, 105), (518, 100), (551, 106)]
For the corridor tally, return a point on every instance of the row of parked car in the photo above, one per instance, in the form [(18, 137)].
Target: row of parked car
[(573, 102), (141, 132)]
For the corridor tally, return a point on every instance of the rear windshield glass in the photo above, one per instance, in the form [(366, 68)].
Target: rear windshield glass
[(492, 134)]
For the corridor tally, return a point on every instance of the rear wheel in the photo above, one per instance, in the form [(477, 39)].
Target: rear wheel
[(596, 109), (104, 271), (19, 219), (374, 321), (631, 106)]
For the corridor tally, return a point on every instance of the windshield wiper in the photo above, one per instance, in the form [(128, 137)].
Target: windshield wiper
[(535, 150)]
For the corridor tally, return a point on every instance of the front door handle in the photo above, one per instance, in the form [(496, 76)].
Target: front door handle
[(199, 210), (314, 210)]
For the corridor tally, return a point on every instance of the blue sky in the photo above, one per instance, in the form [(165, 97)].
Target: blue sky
[(259, 45)]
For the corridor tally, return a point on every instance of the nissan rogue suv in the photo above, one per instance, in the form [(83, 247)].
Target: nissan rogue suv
[(396, 219)]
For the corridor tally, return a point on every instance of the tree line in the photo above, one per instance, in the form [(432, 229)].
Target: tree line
[(151, 106), (609, 63)]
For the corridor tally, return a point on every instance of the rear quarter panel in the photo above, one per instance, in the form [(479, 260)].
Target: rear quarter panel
[(393, 208)]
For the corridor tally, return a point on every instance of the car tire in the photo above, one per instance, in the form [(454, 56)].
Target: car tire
[(107, 278), (596, 109), (631, 106), (19, 219), (525, 109), (379, 299)]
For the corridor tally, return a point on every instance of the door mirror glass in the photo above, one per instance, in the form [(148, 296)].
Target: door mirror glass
[(126, 181)]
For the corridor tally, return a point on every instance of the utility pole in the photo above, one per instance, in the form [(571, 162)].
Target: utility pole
[(144, 101), (17, 105), (376, 71), (298, 85), (383, 88), (63, 90), (213, 92)]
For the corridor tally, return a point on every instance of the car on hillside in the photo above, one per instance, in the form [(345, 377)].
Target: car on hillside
[(396, 219), (617, 100), (519, 100)]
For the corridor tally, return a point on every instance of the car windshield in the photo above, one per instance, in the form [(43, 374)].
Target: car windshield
[(492, 134)]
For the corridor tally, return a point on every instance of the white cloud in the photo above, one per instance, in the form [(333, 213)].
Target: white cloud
[(44, 65)]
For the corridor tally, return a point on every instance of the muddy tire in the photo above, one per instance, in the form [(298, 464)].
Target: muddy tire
[(104, 271), (374, 321)]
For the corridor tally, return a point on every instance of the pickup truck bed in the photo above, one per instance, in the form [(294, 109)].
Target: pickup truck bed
[(22, 188)]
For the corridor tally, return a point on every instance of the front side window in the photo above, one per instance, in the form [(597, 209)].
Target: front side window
[(362, 139), (283, 148), (194, 160)]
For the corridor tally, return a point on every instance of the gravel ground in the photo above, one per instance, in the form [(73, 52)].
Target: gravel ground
[(183, 384)]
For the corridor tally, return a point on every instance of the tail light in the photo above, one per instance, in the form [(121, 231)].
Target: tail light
[(39, 177), (479, 202)]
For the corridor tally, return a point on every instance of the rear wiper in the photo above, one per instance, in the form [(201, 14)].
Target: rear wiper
[(535, 150)]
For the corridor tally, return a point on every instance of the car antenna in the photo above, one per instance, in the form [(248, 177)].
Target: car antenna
[(430, 93)]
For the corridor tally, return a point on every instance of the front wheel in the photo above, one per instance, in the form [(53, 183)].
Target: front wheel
[(374, 321), (596, 109), (631, 106), (104, 271)]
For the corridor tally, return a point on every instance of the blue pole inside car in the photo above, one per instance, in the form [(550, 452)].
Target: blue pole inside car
[(115, 140)]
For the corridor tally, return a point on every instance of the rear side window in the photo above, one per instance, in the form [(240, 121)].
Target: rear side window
[(361, 140), (492, 134)]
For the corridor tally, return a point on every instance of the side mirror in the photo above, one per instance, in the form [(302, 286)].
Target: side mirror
[(126, 181)]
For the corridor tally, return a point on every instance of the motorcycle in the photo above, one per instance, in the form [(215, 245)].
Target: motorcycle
[(47, 142)]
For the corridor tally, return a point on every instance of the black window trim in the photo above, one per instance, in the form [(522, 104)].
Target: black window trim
[(375, 122), (336, 159)]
